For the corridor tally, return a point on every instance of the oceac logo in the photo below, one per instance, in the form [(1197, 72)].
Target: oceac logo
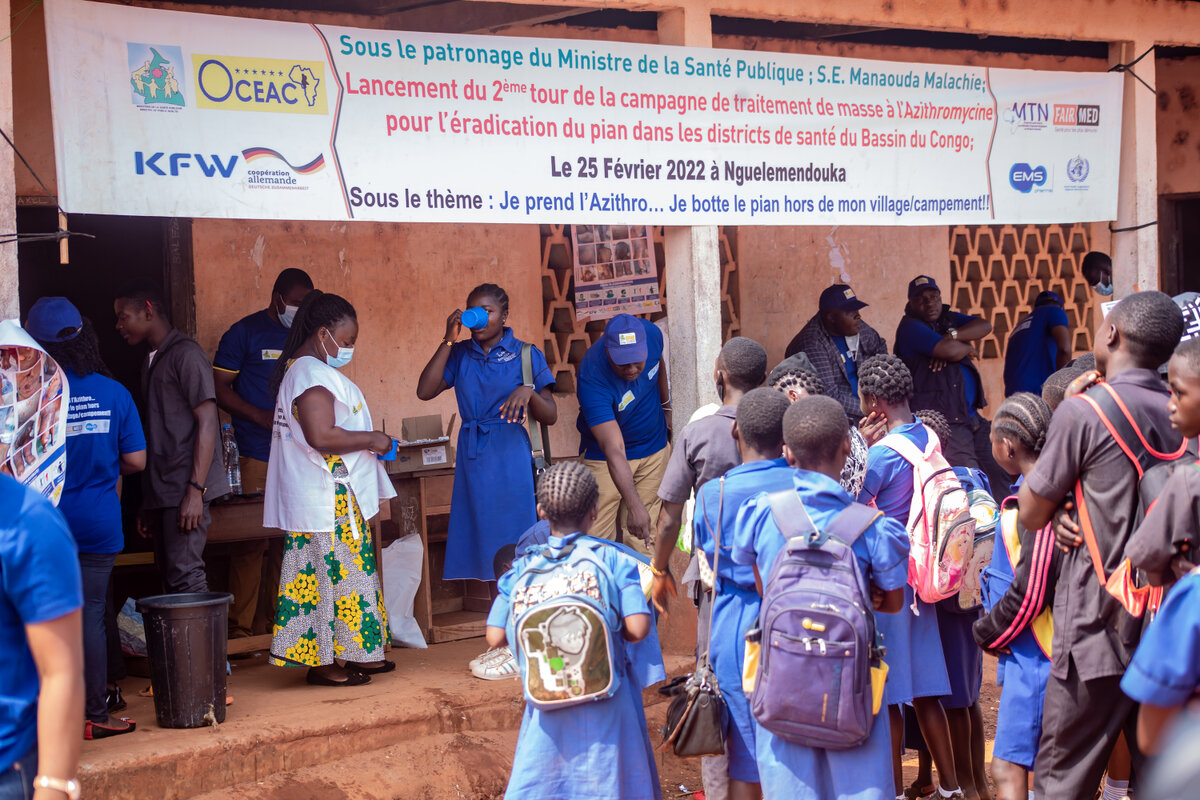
[(277, 85), (1024, 178), (174, 164)]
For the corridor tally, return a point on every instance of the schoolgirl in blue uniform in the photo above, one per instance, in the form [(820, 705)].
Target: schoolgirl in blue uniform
[(1018, 589), (758, 431), (817, 442), (916, 663), (493, 501), (599, 750)]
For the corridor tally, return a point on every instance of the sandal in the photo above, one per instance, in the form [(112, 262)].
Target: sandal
[(99, 730), (915, 792), (386, 666), (353, 678)]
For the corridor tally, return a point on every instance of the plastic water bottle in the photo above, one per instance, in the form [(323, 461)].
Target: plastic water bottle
[(233, 470)]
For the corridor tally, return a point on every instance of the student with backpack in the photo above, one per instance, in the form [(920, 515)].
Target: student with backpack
[(809, 544), (1084, 461), (758, 431), (569, 611), (917, 666)]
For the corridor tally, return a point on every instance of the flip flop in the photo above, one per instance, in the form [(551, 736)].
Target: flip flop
[(97, 730), (386, 666), (147, 692), (353, 678)]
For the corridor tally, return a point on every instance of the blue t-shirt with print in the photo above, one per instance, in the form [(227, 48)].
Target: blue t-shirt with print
[(102, 425), (635, 405), (1032, 353), (39, 582), (889, 479), (251, 348), (914, 338)]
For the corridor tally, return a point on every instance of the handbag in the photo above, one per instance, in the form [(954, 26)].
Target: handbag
[(698, 716), (539, 436)]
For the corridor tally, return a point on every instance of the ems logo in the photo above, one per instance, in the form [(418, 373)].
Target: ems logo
[(1025, 178), (155, 76)]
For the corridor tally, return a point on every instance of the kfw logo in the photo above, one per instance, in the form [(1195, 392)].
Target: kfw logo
[(172, 164), (1023, 177)]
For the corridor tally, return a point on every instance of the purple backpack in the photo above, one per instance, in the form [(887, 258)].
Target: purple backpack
[(817, 629)]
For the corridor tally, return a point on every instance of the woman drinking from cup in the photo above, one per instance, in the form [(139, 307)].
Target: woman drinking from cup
[(324, 481), (493, 501)]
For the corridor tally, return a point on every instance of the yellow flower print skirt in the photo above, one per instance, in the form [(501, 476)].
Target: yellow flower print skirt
[(330, 600)]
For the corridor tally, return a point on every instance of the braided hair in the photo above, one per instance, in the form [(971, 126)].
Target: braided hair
[(567, 492), (493, 291), (936, 421), (81, 354), (886, 377), (801, 380), (1024, 417), (318, 310)]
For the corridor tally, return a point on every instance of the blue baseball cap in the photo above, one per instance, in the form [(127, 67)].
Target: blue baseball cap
[(52, 315), (625, 340), (839, 296), (920, 284)]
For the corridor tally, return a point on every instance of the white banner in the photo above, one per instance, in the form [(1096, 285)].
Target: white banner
[(169, 113)]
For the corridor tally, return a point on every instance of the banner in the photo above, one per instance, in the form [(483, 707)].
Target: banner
[(33, 413), (170, 113), (615, 271)]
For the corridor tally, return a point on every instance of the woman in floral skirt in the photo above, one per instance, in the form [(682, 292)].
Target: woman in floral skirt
[(323, 482)]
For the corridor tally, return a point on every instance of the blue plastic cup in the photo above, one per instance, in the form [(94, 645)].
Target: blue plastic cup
[(390, 455), (475, 318)]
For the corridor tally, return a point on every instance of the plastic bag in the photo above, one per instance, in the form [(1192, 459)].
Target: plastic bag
[(401, 578), (131, 629)]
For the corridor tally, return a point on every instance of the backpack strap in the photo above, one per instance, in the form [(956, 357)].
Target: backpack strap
[(535, 429), (904, 447), (852, 522), (790, 515)]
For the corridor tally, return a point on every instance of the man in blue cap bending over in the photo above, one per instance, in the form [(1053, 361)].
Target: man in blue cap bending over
[(1039, 345), (624, 416)]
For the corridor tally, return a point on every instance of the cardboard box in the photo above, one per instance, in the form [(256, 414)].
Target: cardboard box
[(423, 445)]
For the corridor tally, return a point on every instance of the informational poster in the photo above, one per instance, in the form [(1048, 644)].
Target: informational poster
[(615, 271), (170, 113), (33, 413)]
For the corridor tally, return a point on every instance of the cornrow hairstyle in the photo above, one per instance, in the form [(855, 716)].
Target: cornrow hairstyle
[(744, 362), (1024, 418), (1188, 352), (800, 379), (814, 427), (319, 310), (567, 492), (936, 421), (760, 419), (81, 355), (147, 293), (885, 376), (1151, 325), (1055, 387), (493, 291), (289, 279)]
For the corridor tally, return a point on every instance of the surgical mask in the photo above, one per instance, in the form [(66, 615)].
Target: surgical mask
[(288, 315), (344, 354), (1103, 289)]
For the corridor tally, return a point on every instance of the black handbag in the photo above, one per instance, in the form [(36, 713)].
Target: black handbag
[(698, 716), (539, 437)]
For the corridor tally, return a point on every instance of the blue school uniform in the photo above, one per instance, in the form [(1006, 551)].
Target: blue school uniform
[(790, 770), (594, 751), (737, 599), (916, 662), (493, 498), (1165, 670)]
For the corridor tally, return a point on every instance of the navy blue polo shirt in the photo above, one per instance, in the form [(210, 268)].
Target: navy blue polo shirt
[(635, 405), (251, 348), (1032, 353), (102, 425), (915, 338)]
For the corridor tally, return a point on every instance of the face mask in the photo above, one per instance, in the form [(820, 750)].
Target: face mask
[(344, 354), (1103, 289), (288, 315)]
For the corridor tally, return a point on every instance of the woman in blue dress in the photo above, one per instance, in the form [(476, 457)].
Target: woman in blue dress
[(493, 501)]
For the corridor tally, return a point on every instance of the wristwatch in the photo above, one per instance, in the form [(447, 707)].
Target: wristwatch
[(953, 333), (203, 489), (529, 386), (69, 788)]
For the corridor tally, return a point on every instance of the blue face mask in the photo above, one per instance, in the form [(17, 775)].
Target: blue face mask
[(288, 315), (344, 354), (1103, 289)]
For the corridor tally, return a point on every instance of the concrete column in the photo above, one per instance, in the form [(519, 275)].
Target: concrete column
[(1135, 253), (9, 300), (693, 256)]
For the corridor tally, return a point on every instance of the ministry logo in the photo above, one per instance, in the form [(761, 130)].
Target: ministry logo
[(154, 75)]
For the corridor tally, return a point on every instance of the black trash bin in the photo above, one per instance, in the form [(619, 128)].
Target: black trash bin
[(186, 640)]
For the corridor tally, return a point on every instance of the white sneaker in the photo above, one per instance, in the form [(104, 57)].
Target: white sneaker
[(497, 669), (491, 655)]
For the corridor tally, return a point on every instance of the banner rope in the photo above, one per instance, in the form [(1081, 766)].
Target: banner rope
[(1111, 229), (60, 234), (1129, 67)]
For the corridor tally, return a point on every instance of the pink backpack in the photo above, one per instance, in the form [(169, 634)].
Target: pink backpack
[(941, 530)]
